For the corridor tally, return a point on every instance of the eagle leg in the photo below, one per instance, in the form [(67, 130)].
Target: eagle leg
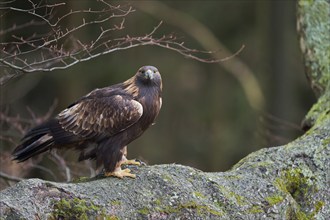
[(125, 161), (120, 173)]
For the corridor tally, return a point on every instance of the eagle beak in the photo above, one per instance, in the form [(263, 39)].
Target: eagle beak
[(149, 74)]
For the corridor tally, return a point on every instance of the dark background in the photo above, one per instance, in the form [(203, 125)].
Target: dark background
[(206, 120)]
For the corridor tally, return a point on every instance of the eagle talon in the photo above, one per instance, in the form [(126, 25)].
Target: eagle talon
[(142, 163), (120, 173), (131, 162)]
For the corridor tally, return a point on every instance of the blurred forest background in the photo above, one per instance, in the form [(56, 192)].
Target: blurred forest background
[(207, 120)]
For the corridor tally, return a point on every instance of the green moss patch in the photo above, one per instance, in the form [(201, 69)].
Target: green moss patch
[(273, 200), (300, 186), (238, 199), (199, 195), (296, 183), (255, 209), (75, 209), (201, 210)]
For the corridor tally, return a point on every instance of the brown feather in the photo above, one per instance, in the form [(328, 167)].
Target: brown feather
[(131, 88), (107, 114)]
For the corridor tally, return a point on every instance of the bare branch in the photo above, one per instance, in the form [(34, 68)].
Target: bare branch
[(209, 41), (9, 177), (46, 170), (53, 45), (62, 164)]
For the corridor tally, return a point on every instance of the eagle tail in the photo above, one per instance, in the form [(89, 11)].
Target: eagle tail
[(36, 141)]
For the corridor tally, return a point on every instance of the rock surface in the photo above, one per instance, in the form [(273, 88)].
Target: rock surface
[(285, 182)]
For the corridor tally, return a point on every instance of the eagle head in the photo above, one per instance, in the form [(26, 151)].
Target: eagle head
[(149, 75)]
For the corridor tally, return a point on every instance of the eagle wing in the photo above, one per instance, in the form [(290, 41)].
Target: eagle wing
[(100, 116)]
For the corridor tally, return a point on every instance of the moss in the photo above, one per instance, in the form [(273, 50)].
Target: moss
[(74, 209), (198, 194), (111, 217), (200, 209), (255, 209), (319, 112), (299, 186), (326, 142), (240, 200), (299, 215), (116, 203), (144, 211), (81, 179), (158, 202), (191, 180), (294, 182), (219, 204), (207, 209), (290, 213), (167, 178), (234, 177), (273, 200), (318, 206), (281, 184)]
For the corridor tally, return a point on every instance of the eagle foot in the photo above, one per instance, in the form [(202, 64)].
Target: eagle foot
[(142, 163), (120, 173), (131, 162)]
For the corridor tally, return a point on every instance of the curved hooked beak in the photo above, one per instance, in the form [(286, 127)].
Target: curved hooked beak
[(149, 74)]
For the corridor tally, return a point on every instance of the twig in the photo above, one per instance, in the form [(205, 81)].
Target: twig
[(59, 160), (9, 177), (50, 51), (209, 41), (49, 171)]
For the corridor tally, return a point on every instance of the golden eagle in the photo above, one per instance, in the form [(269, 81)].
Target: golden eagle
[(102, 123)]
